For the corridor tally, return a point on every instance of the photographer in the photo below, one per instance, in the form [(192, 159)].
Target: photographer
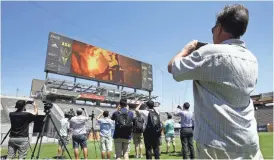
[(19, 133), (169, 133), (105, 133), (186, 134), (153, 129), (64, 131), (79, 132), (224, 75), (123, 129)]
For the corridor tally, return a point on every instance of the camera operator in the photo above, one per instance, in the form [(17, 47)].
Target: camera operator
[(19, 134), (79, 132), (186, 133), (64, 132), (224, 74)]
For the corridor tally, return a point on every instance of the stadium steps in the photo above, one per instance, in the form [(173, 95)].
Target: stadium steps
[(264, 116)]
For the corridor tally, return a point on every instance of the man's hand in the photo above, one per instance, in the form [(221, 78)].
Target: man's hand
[(189, 48)]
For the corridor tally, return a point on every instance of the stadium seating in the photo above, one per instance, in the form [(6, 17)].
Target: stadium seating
[(264, 115)]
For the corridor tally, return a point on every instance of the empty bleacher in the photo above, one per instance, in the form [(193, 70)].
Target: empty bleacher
[(264, 115)]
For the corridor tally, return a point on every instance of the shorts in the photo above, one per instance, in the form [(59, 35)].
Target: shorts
[(65, 140), (79, 139), (160, 141), (18, 144), (106, 144), (138, 138), (122, 146), (170, 139)]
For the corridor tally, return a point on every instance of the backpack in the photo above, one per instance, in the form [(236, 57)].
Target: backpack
[(124, 124), (138, 125), (154, 126)]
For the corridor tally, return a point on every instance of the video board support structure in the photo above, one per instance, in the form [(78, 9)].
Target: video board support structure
[(135, 92), (149, 94), (74, 81), (47, 75)]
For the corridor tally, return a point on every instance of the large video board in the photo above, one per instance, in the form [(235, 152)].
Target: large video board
[(74, 58)]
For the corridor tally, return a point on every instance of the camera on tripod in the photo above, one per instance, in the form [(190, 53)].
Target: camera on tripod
[(92, 115), (47, 106)]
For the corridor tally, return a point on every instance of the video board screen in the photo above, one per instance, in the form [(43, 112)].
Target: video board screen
[(73, 58)]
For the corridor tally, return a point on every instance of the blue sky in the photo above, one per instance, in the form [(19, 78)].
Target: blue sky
[(148, 31)]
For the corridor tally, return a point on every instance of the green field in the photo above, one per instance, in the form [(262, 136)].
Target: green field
[(49, 150)]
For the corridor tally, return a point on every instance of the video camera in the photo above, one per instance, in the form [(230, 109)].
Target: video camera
[(70, 114), (92, 115), (47, 106)]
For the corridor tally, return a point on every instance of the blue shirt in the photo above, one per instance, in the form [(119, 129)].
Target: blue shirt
[(105, 127), (114, 117), (186, 118)]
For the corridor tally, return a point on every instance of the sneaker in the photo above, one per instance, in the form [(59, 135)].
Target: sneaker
[(140, 156), (136, 156)]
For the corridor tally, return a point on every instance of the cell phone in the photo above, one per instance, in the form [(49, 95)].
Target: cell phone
[(29, 102), (200, 44)]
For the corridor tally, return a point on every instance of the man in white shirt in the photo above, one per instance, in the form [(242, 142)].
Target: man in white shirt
[(79, 132), (105, 134), (64, 130), (224, 74), (151, 136)]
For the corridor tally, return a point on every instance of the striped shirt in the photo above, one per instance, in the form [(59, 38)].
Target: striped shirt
[(186, 118), (224, 75)]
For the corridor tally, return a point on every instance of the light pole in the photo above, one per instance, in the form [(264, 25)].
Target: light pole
[(17, 92)]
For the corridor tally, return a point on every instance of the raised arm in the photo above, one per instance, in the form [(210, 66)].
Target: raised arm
[(35, 108), (189, 48)]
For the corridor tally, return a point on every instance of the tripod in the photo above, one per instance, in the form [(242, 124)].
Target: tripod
[(40, 136)]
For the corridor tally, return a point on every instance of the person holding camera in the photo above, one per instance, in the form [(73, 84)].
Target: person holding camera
[(19, 132), (123, 129), (79, 132), (138, 129), (186, 135), (169, 133), (64, 132), (153, 129), (105, 134), (224, 75)]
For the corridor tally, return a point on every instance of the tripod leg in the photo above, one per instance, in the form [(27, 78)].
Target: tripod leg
[(62, 141), (41, 138), (5, 136), (94, 137)]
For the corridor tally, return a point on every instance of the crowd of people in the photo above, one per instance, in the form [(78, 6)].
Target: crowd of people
[(224, 74)]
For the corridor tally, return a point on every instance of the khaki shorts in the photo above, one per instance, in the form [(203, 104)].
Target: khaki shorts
[(106, 144), (207, 152), (170, 139), (138, 138), (122, 146)]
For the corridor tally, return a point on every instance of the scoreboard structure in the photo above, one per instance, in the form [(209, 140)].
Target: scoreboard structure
[(69, 57)]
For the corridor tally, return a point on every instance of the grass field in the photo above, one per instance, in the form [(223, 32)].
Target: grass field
[(48, 151)]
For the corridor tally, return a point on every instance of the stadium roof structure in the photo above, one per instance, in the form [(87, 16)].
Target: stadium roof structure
[(80, 91), (263, 98)]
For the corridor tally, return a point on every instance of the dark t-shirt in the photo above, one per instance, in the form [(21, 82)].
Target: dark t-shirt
[(20, 123), (114, 117)]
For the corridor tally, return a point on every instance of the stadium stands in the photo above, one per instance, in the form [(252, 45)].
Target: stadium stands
[(264, 115)]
